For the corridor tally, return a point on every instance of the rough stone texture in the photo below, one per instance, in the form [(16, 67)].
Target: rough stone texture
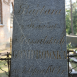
[(39, 39)]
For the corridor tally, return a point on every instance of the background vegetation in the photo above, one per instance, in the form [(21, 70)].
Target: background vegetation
[(68, 18)]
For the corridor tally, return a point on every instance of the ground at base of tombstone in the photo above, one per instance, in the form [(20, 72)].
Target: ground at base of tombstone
[(3, 75), (72, 60), (3, 64), (3, 69)]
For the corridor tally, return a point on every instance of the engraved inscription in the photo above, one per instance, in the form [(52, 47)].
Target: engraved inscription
[(25, 9), (34, 70), (37, 54), (46, 41), (55, 26)]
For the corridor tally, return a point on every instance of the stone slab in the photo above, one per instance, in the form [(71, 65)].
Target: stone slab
[(39, 39)]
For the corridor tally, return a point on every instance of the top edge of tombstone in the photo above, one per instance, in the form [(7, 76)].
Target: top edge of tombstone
[(25, 1)]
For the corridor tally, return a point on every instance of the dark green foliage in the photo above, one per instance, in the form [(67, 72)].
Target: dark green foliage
[(68, 19), (75, 21), (68, 22)]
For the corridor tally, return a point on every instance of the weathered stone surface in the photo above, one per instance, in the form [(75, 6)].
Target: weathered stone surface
[(39, 39)]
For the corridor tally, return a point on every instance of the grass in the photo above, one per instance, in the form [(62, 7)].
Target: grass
[(3, 75), (3, 68), (3, 64), (74, 65)]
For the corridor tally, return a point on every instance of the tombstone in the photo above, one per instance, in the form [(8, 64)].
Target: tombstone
[(39, 39)]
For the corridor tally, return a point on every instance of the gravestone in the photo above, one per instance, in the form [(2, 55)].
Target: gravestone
[(39, 39)]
